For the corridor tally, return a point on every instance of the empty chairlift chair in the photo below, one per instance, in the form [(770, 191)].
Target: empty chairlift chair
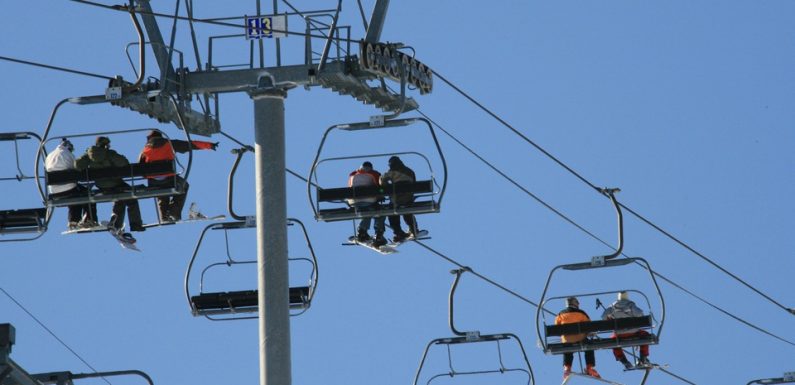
[(474, 337), (231, 305), (330, 203), (18, 221)]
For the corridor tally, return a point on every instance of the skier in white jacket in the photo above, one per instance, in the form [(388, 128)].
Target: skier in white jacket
[(623, 307), (83, 215)]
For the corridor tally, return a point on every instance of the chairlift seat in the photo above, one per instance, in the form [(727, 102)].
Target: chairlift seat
[(22, 220), (601, 326), (133, 172), (342, 193), (245, 301), (385, 209)]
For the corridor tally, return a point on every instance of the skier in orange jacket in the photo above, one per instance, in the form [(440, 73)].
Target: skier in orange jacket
[(158, 148), (573, 314)]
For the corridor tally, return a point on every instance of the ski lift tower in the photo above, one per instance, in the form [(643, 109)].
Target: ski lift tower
[(337, 68)]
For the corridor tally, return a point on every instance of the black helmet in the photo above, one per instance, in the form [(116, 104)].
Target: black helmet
[(394, 161), (154, 134), (103, 141), (367, 166)]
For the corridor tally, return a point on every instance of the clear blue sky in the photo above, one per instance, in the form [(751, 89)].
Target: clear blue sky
[(687, 106)]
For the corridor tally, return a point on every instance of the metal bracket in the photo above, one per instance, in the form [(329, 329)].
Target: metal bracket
[(598, 261), (473, 336), (377, 121)]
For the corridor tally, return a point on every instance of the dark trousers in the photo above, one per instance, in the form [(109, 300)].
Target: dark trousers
[(568, 358), (76, 212), (172, 205), (394, 223), (118, 208)]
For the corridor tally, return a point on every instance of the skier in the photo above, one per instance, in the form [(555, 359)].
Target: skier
[(623, 307), (573, 314), (366, 176)]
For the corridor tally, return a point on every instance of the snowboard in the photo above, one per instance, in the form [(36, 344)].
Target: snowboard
[(126, 240), (385, 249)]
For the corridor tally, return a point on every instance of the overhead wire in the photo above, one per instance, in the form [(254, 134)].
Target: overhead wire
[(52, 67), (541, 149), (592, 235), (515, 131), (250, 148), (512, 292), (596, 188), (207, 21), (64, 344), (581, 228)]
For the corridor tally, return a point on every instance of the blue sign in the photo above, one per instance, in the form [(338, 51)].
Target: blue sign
[(258, 27)]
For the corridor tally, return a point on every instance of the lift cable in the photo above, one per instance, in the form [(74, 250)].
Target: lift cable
[(7, 294), (596, 188), (509, 291), (52, 67), (592, 235), (192, 19), (206, 21), (475, 273), (512, 182), (250, 148)]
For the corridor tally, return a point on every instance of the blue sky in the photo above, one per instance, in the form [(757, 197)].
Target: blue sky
[(687, 106)]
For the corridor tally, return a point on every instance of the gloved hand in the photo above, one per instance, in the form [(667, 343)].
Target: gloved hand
[(214, 146)]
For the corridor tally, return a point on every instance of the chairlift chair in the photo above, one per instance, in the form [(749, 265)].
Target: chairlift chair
[(27, 220), (328, 204), (549, 339), (470, 337), (132, 174), (232, 305), (788, 378), (597, 327)]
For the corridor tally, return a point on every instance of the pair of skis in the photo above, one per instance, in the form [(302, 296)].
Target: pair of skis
[(648, 366)]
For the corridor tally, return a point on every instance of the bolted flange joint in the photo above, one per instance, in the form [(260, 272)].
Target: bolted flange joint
[(267, 87)]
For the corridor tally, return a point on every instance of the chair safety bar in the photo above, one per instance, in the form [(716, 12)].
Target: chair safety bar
[(609, 325), (602, 343), (342, 214), (242, 301)]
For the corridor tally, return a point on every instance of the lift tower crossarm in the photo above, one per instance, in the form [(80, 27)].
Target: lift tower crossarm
[(246, 79)]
